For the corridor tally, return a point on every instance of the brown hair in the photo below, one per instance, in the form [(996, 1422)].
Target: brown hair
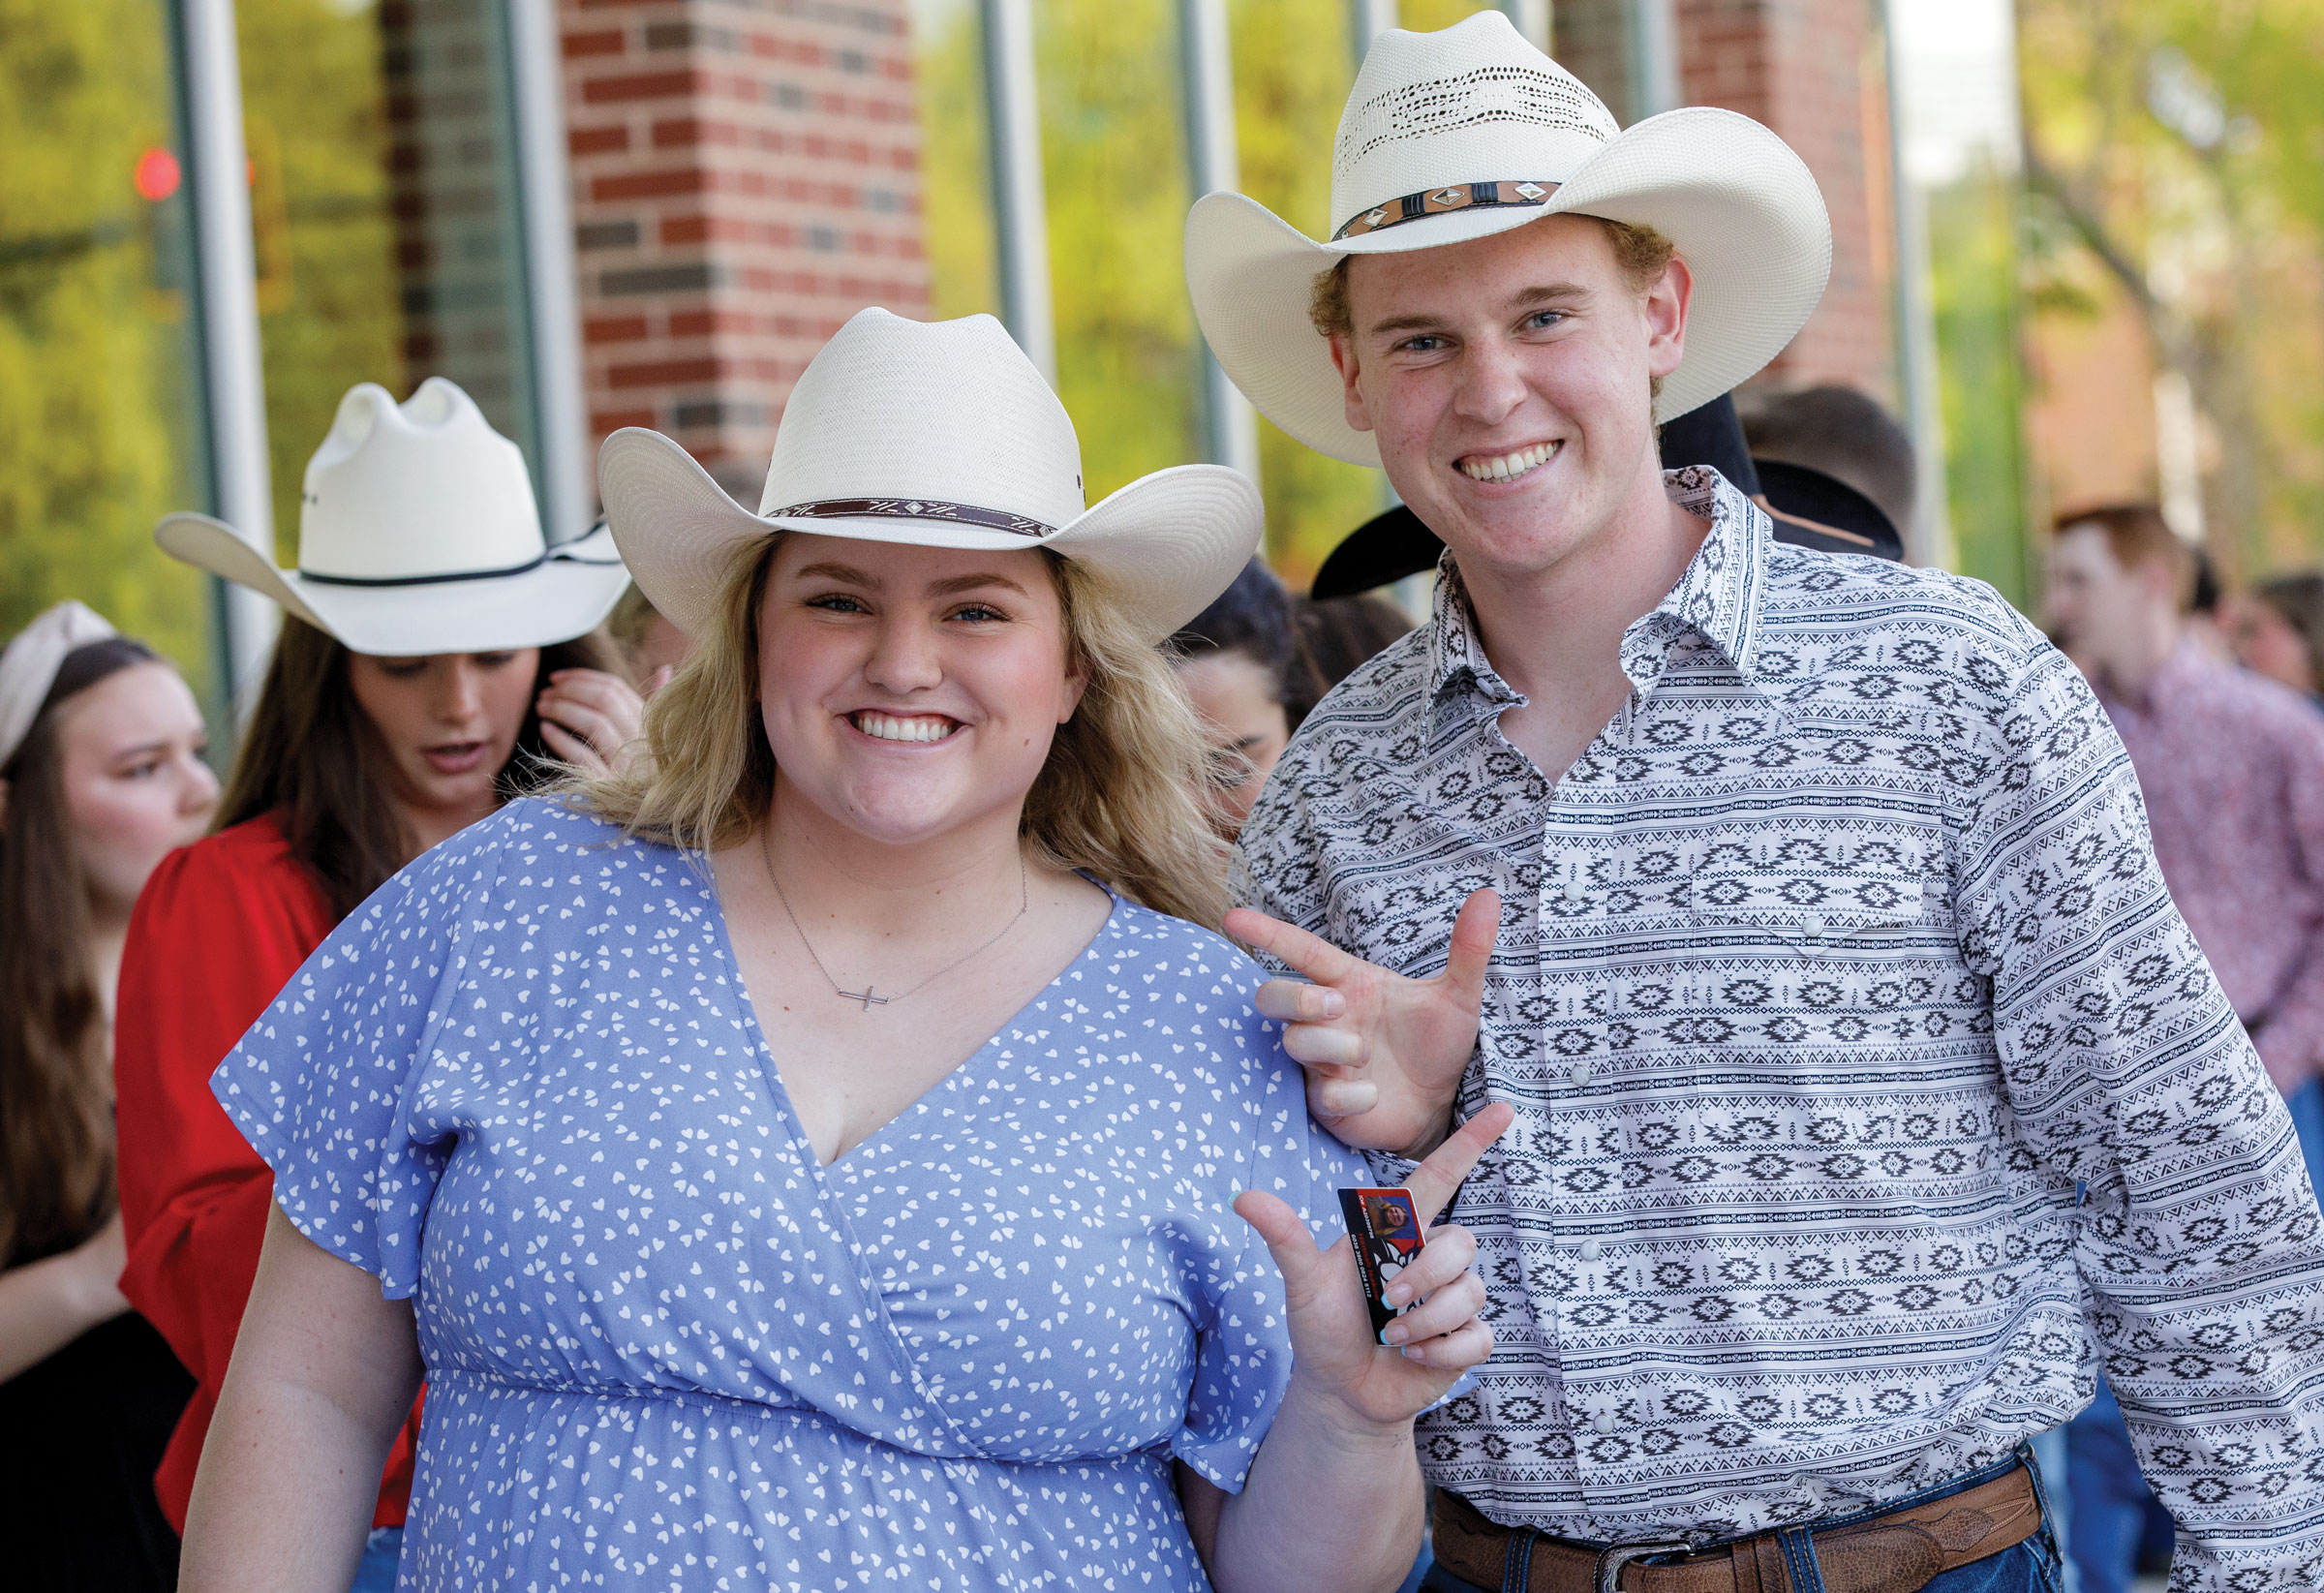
[(2298, 597), (57, 1102), (311, 758), (1119, 795), (2137, 535), (1640, 253)]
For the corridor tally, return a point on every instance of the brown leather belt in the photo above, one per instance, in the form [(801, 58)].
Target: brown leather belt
[(1894, 1554)]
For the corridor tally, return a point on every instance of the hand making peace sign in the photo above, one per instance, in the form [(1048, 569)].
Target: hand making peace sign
[(1384, 1053)]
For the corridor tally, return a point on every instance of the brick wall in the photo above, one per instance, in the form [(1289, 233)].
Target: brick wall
[(746, 176), (1809, 69)]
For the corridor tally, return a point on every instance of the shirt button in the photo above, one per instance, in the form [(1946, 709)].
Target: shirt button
[(1580, 1074), (1591, 1249), (1573, 889), (1811, 925), (1603, 1422)]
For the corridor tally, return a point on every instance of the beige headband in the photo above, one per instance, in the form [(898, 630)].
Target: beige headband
[(29, 666)]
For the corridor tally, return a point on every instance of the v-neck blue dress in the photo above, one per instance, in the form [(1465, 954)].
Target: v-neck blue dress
[(665, 1349)]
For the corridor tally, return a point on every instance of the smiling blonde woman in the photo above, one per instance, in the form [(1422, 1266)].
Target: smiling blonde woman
[(830, 1157)]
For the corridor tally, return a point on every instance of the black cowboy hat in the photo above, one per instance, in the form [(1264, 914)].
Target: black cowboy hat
[(1810, 508)]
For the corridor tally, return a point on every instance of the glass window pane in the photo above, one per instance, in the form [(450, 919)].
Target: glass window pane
[(1113, 149), (1294, 62), (957, 174), (100, 433), (384, 206)]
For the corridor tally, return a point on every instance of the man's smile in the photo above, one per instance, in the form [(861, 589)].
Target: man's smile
[(1507, 467)]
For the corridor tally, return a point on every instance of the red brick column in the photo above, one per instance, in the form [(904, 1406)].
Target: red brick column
[(1809, 69), (745, 178)]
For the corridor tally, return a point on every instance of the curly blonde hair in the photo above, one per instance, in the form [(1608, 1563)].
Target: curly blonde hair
[(1119, 797)]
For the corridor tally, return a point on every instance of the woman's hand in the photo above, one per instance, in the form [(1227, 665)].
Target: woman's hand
[(1333, 1353), (589, 718), (1384, 1053), (45, 1304)]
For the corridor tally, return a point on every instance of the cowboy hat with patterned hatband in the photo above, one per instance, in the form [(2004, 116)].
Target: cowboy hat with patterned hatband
[(1462, 133), (417, 534), (940, 433)]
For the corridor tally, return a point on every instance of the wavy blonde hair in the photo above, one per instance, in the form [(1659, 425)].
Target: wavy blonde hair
[(1119, 797)]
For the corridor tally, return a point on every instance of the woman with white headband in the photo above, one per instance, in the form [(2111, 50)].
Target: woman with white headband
[(824, 1155), (100, 774), (436, 655)]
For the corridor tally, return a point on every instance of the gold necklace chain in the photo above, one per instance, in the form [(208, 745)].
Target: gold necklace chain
[(863, 996)]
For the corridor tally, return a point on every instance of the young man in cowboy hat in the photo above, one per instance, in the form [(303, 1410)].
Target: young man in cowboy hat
[(1869, 1090)]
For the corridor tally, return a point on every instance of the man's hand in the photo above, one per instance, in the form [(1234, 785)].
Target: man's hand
[(1384, 1053), (1333, 1353)]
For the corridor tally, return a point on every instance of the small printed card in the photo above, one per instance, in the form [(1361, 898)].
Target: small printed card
[(1386, 1230)]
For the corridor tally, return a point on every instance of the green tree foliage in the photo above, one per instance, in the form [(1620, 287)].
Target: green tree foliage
[(329, 313), (1973, 293), (2176, 151), (97, 394)]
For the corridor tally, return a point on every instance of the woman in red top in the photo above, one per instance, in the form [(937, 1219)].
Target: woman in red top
[(435, 654)]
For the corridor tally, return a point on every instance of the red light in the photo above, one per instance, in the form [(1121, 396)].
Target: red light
[(156, 175)]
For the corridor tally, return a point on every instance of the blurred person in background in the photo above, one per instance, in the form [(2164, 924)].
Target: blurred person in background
[(652, 648), (2276, 629), (100, 774), (1241, 661), (1842, 433), (1342, 634), (435, 656), (2232, 770), (2204, 624)]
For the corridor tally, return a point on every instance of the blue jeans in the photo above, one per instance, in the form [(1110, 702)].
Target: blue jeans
[(2029, 1567), (374, 1573), (2306, 1104)]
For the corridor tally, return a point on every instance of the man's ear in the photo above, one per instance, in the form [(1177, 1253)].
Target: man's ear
[(1666, 307), (2165, 580), (1343, 359)]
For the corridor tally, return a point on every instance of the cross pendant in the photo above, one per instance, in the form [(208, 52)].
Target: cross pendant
[(865, 997)]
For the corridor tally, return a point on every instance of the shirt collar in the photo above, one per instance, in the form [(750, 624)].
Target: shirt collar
[(1718, 597)]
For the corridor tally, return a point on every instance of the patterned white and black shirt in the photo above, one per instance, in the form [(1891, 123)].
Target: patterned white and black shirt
[(1869, 1090)]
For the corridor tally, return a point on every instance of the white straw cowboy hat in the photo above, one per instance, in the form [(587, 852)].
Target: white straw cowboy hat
[(1469, 131), (418, 533), (939, 434)]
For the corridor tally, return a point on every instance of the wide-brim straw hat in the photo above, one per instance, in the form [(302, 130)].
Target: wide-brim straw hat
[(1469, 131), (419, 535), (940, 435)]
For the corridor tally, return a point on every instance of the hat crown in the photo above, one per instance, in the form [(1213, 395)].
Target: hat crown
[(1472, 103), (947, 412), (422, 488)]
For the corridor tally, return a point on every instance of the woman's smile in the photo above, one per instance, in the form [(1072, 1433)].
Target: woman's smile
[(922, 729)]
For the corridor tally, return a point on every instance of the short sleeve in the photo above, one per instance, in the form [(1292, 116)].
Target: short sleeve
[(1242, 1345), (322, 1084)]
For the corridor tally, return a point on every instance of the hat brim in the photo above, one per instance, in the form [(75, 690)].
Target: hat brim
[(1826, 512), (566, 594), (1741, 208), (1169, 542)]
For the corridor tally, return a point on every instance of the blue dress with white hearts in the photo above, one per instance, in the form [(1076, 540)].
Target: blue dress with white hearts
[(665, 1349)]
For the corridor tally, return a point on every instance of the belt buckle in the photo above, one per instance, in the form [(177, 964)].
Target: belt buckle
[(1611, 1560)]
